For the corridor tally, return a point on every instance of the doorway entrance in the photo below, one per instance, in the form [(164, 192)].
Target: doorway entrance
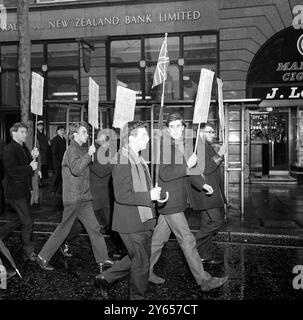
[(269, 143), (8, 118)]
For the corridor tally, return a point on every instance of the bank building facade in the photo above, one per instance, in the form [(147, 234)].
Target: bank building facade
[(254, 46)]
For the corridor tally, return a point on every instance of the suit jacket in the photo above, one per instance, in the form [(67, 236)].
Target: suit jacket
[(18, 172), (58, 147), (212, 175), (126, 218)]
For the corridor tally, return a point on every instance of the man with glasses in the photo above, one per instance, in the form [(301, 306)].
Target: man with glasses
[(207, 194), (173, 172)]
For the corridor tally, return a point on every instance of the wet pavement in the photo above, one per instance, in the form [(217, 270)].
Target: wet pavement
[(255, 273)]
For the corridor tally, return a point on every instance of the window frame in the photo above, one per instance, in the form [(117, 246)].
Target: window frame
[(181, 36)]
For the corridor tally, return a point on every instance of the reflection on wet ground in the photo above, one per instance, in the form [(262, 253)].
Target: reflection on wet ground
[(255, 272)]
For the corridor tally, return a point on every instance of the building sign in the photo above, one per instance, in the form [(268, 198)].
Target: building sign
[(279, 93), (277, 69), (117, 20)]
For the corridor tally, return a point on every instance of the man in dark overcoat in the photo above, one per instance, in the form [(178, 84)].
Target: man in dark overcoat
[(19, 168), (58, 147), (43, 149), (207, 194)]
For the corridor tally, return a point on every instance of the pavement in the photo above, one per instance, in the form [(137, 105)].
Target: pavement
[(259, 255), (273, 215)]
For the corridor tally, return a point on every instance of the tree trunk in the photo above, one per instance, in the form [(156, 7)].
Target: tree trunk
[(24, 66)]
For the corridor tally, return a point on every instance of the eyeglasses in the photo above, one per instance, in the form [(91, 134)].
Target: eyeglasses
[(212, 132)]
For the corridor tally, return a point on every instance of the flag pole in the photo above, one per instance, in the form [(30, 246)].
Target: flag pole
[(160, 126)]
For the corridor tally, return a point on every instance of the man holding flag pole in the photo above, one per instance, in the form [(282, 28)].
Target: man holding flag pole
[(171, 174)]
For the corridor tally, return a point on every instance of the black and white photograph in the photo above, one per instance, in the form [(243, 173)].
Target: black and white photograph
[(151, 150)]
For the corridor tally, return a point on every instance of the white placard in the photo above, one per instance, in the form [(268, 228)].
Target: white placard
[(93, 103), (203, 96), (37, 94), (124, 107)]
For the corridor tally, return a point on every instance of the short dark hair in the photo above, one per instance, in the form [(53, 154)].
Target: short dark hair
[(15, 127), (74, 127), (208, 124), (131, 129), (60, 127), (173, 117)]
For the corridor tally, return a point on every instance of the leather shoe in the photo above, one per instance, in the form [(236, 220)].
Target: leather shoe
[(211, 261), (212, 283), (64, 249), (105, 265), (103, 285), (44, 264), (30, 256)]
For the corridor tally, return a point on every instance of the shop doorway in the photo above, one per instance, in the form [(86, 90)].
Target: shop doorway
[(269, 143), (8, 118)]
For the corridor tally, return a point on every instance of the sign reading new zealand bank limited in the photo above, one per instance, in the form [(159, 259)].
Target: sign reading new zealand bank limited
[(277, 70), (118, 20)]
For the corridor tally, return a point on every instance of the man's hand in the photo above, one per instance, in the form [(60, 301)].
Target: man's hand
[(40, 174), (34, 165), (191, 162), (91, 150), (35, 153), (222, 150), (209, 190), (155, 193)]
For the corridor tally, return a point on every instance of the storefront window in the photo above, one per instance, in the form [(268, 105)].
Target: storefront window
[(187, 54), (191, 77), (37, 55), (9, 88), (63, 84), (9, 57), (125, 51), (127, 77), (153, 45), (63, 55), (172, 88), (200, 47)]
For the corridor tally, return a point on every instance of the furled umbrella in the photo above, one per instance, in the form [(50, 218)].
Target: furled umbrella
[(9, 257)]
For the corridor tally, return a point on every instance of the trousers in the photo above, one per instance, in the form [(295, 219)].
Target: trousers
[(135, 264), (177, 224), (85, 213), (211, 222)]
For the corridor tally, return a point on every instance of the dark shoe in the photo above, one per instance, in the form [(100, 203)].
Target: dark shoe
[(211, 261), (64, 249), (212, 283), (105, 265), (44, 264), (103, 285), (30, 256)]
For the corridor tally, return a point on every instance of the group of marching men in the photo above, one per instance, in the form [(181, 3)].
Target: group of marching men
[(196, 179)]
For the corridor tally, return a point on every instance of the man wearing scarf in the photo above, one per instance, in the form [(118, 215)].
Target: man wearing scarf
[(173, 172), (134, 215)]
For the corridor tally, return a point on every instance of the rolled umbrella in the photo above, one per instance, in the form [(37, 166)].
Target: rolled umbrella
[(9, 257)]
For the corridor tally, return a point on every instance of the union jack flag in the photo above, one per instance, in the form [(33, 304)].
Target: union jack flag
[(160, 74)]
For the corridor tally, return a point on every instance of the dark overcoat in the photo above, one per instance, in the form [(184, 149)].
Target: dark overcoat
[(18, 172)]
